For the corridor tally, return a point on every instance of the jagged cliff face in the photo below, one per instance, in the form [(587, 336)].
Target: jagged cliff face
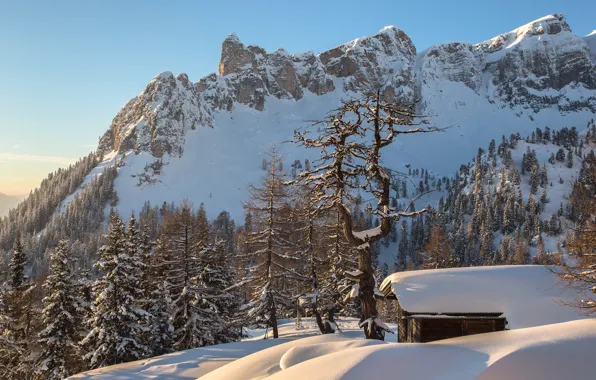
[(532, 64), (537, 66)]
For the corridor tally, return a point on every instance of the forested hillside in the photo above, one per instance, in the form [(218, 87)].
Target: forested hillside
[(183, 281)]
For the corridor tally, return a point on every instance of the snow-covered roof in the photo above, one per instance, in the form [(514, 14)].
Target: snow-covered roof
[(527, 295)]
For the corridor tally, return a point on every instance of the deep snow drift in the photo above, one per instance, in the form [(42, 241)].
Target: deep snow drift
[(560, 351)]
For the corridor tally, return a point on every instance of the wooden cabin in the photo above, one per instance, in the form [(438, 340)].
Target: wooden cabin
[(426, 314), (428, 327)]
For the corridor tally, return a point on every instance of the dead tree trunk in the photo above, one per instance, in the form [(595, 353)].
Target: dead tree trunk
[(367, 293), (350, 146)]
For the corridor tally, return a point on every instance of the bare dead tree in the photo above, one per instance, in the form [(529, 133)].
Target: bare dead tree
[(350, 144)]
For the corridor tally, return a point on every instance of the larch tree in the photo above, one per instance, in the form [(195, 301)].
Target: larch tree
[(579, 271), (267, 252), (310, 212), (335, 285), (350, 143), (438, 251), (62, 316)]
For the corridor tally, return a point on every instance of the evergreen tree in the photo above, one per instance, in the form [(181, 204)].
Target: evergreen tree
[(219, 304), (543, 176), (17, 265), (190, 321), (63, 309), (402, 254), (12, 349), (161, 335), (486, 246), (534, 180), (115, 324), (161, 329), (18, 319)]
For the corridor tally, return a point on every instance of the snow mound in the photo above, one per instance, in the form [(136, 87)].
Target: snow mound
[(267, 362), (527, 295), (299, 354), (559, 351), (188, 364)]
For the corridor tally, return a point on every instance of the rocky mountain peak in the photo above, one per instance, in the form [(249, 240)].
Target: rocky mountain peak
[(535, 66), (528, 63), (385, 58), (235, 56)]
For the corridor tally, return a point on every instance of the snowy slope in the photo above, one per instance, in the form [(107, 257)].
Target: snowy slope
[(211, 134), (272, 354), (219, 162)]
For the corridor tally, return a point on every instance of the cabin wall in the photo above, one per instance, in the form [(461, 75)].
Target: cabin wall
[(445, 328), (402, 325)]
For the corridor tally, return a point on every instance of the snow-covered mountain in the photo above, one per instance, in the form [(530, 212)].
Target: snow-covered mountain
[(210, 135)]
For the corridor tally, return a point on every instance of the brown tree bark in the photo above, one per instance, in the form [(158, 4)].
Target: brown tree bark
[(367, 293)]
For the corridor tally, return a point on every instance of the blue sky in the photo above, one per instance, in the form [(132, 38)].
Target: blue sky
[(68, 66)]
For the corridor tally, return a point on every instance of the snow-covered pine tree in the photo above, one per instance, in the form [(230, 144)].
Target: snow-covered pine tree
[(190, 329), (161, 329), (20, 319), (116, 327), (521, 254), (217, 300), (160, 337), (62, 316), (12, 350), (402, 250), (17, 265)]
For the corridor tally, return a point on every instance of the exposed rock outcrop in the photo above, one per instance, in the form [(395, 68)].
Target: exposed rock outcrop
[(384, 59), (454, 62), (539, 65), (530, 65)]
